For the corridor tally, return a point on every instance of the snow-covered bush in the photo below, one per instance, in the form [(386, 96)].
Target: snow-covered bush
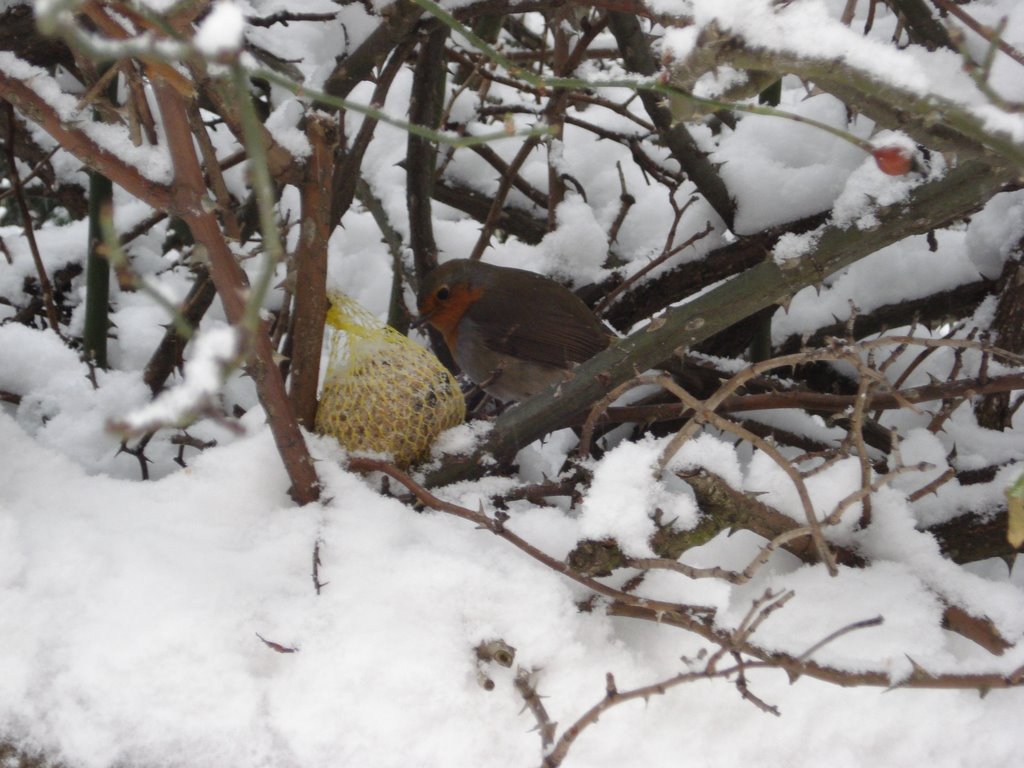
[(802, 219)]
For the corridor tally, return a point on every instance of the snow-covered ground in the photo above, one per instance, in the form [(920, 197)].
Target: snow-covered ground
[(143, 623)]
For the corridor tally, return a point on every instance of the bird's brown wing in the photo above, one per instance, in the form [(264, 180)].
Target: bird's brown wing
[(562, 333)]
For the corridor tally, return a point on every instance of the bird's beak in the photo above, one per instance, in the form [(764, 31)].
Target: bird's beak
[(419, 322)]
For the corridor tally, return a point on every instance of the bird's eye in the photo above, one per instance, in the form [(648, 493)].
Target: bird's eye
[(442, 293)]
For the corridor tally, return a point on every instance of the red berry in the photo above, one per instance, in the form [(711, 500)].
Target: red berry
[(893, 160)]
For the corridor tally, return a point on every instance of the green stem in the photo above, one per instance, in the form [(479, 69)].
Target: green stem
[(381, 116), (97, 267), (263, 188), (478, 42), (97, 272), (648, 85), (143, 46)]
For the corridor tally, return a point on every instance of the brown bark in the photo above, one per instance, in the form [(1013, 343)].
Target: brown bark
[(993, 411), (167, 355), (98, 158), (311, 269), (228, 277)]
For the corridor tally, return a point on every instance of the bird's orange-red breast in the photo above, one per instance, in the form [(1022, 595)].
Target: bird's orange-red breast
[(513, 332)]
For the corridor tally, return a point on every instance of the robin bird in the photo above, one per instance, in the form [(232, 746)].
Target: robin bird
[(513, 332)]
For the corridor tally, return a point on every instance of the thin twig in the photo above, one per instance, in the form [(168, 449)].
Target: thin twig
[(285, 17), (986, 32), (716, 572), (484, 239), (667, 252), (703, 412), (36, 170), (45, 286), (759, 611), (496, 526), (545, 725), (857, 431)]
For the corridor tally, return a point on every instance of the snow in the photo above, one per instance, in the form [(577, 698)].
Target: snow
[(283, 126), (783, 171), (216, 353), (995, 232), (905, 271), (163, 587), (153, 163), (143, 623), (708, 452), (578, 246), (59, 405), (222, 31), (807, 29), (790, 247), (624, 496)]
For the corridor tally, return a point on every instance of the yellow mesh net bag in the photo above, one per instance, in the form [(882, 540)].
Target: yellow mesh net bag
[(382, 391)]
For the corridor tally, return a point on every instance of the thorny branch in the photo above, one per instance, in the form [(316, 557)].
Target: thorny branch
[(518, 74), (694, 618), (17, 189)]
